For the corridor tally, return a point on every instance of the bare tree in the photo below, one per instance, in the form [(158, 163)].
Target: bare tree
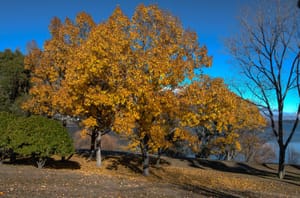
[(268, 51)]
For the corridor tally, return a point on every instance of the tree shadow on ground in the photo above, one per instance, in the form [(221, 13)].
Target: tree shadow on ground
[(296, 166), (207, 192), (131, 161), (118, 159), (62, 164), (128, 161), (50, 163), (223, 166), (243, 168)]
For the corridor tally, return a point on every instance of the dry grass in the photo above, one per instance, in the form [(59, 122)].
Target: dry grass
[(227, 178), (180, 177)]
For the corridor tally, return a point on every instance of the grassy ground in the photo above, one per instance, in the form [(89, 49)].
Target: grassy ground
[(120, 176)]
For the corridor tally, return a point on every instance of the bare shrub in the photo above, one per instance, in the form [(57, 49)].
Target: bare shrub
[(265, 154), (293, 156)]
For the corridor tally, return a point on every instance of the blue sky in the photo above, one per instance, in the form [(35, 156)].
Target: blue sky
[(213, 20)]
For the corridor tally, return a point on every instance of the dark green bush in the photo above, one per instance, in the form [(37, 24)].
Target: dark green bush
[(6, 119), (38, 137), (14, 81)]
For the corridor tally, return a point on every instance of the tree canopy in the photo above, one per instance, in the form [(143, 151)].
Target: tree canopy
[(126, 75), (220, 115), (14, 82), (35, 135)]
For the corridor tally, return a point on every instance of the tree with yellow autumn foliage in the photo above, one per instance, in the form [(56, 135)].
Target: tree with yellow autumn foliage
[(47, 66), (121, 76), (219, 116), (163, 55), (124, 75), (48, 95), (94, 74)]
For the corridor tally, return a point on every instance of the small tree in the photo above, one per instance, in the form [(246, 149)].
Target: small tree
[(265, 154), (255, 147), (39, 137), (219, 116)]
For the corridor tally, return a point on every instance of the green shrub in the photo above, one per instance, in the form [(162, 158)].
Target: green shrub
[(6, 119), (39, 137)]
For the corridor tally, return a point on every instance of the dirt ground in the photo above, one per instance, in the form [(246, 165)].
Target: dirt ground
[(120, 176)]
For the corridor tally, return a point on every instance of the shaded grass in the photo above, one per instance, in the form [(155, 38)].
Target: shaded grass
[(51, 163), (206, 178)]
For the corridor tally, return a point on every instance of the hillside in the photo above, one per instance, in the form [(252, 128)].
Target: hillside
[(121, 176)]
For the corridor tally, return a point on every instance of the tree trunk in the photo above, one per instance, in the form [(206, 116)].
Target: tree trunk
[(230, 155), (158, 158), (144, 149), (281, 168), (64, 158), (281, 171), (64, 123), (41, 162), (98, 150), (249, 155), (93, 140), (145, 162), (92, 148), (1, 157), (12, 156), (227, 155)]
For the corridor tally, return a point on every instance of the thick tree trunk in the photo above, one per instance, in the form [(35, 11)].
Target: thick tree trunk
[(93, 140), (145, 162), (98, 150), (158, 158), (281, 171), (281, 164), (158, 161), (227, 158)]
